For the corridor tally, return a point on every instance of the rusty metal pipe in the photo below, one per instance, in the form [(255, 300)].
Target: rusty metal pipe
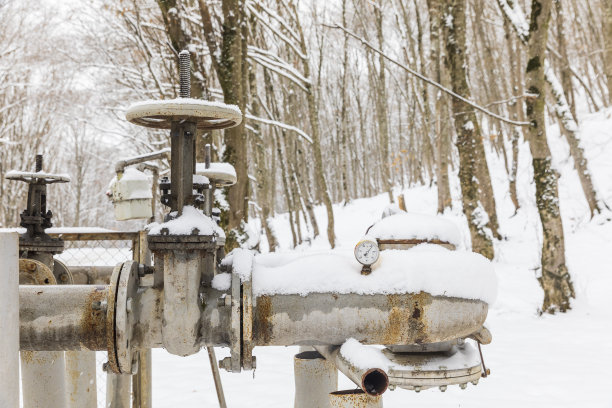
[(373, 381), (330, 319), (62, 317)]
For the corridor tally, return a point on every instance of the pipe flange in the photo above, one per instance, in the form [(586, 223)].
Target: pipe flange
[(207, 115), (62, 274), (120, 319), (33, 272)]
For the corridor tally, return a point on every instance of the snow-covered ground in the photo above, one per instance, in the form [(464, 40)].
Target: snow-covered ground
[(535, 361)]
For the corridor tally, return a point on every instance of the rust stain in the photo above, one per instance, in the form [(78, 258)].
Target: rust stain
[(262, 327), (407, 320), (93, 322)]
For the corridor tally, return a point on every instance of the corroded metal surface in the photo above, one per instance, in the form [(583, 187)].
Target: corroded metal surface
[(62, 317), (327, 318), (372, 380), (354, 399)]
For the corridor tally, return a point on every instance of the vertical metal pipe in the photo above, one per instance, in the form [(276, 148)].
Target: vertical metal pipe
[(43, 379), (81, 379), (354, 399), (118, 390), (315, 378), (9, 319)]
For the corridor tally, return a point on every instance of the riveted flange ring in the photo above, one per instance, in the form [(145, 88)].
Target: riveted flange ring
[(32, 272), (207, 115), (120, 318)]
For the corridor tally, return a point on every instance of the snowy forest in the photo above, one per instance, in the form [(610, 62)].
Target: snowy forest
[(496, 114)]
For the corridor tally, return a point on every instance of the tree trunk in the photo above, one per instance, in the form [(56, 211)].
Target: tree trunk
[(469, 140), (441, 138), (555, 279), (607, 29)]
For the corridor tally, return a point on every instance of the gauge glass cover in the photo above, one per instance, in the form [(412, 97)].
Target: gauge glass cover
[(366, 252)]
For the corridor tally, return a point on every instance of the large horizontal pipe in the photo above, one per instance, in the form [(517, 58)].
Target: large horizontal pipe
[(330, 319), (91, 275), (372, 380), (62, 317)]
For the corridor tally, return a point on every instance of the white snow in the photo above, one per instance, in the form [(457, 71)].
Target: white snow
[(216, 168), (241, 261), (190, 101), (184, 224), (39, 174), (366, 357), (222, 281), (405, 225), (135, 185), (425, 268)]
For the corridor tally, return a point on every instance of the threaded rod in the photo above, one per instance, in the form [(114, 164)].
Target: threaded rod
[(39, 162), (185, 74)]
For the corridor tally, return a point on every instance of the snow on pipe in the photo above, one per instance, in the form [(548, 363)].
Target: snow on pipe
[(123, 163), (373, 381), (9, 320)]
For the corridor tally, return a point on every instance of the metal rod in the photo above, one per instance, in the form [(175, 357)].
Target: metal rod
[(123, 163), (212, 358), (9, 320), (142, 381), (185, 74), (373, 381)]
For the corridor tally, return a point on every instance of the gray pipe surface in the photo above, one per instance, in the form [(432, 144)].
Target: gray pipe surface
[(62, 317)]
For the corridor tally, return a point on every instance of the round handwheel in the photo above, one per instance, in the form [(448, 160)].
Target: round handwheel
[(221, 178), (31, 177), (207, 115)]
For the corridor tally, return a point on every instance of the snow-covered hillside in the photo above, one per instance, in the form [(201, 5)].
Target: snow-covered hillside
[(535, 361)]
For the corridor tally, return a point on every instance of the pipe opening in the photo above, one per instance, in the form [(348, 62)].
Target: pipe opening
[(309, 355), (375, 381)]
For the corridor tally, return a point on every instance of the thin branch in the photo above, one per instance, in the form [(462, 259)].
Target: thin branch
[(424, 78), (280, 125)]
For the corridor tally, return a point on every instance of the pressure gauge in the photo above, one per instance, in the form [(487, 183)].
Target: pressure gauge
[(366, 253)]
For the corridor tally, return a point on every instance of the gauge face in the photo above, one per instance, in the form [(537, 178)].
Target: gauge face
[(366, 252)]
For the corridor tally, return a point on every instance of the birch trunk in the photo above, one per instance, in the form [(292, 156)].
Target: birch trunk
[(469, 140), (555, 279)]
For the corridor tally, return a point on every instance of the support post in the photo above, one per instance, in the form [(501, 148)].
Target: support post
[(81, 379), (142, 380), (315, 378), (43, 379), (353, 399), (9, 319), (118, 390)]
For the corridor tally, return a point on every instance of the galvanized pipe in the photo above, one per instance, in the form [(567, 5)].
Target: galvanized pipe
[(43, 379), (354, 399), (81, 379), (9, 319), (315, 378), (62, 317), (373, 381)]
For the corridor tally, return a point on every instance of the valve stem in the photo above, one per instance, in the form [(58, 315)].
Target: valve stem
[(39, 159), (185, 74)]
